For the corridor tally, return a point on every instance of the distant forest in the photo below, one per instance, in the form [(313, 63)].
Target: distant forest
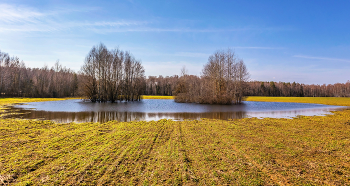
[(17, 80), (166, 85)]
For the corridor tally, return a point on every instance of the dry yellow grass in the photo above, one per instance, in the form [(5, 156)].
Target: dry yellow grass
[(4, 102), (340, 101), (157, 97), (301, 151), (8, 101)]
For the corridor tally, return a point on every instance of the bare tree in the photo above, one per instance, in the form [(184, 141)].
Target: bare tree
[(112, 75), (222, 81)]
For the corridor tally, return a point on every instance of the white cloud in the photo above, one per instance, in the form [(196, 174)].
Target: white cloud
[(15, 18), (256, 47), (322, 58), (201, 30), (11, 14)]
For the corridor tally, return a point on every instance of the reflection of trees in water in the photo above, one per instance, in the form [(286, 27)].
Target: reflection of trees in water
[(66, 117)]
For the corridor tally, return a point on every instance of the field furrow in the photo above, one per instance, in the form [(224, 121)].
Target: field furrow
[(300, 151)]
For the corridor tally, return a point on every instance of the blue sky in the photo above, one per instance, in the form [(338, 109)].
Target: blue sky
[(302, 41)]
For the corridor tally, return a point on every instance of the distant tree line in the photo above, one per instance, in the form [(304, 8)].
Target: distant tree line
[(258, 88), (160, 85), (111, 75), (156, 85), (16, 80), (223, 81)]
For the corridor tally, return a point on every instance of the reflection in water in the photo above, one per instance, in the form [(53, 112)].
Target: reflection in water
[(78, 111), (66, 117)]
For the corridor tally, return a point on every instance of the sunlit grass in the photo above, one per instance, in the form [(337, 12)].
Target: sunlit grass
[(301, 151), (340, 101), (157, 97), (8, 101)]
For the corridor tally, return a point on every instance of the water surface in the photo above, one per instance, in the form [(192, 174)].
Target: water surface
[(155, 109)]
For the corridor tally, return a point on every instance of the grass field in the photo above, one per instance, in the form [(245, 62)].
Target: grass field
[(10, 101), (340, 101), (301, 151), (158, 97)]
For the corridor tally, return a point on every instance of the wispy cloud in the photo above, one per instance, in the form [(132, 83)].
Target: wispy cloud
[(322, 58), (184, 30), (253, 47), (150, 29), (15, 18), (21, 13), (10, 14)]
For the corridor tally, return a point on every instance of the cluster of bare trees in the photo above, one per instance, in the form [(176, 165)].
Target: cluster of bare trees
[(111, 75), (257, 88), (223, 81), (18, 81)]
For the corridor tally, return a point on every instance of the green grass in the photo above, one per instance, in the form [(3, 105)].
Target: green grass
[(340, 101), (301, 151), (158, 97), (8, 101), (4, 102)]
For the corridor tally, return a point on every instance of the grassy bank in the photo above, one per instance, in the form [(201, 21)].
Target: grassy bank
[(301, 151), (158, 97), (10, 101), (340, 101)]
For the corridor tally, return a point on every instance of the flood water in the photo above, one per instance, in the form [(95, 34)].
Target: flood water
[(155, 109)]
